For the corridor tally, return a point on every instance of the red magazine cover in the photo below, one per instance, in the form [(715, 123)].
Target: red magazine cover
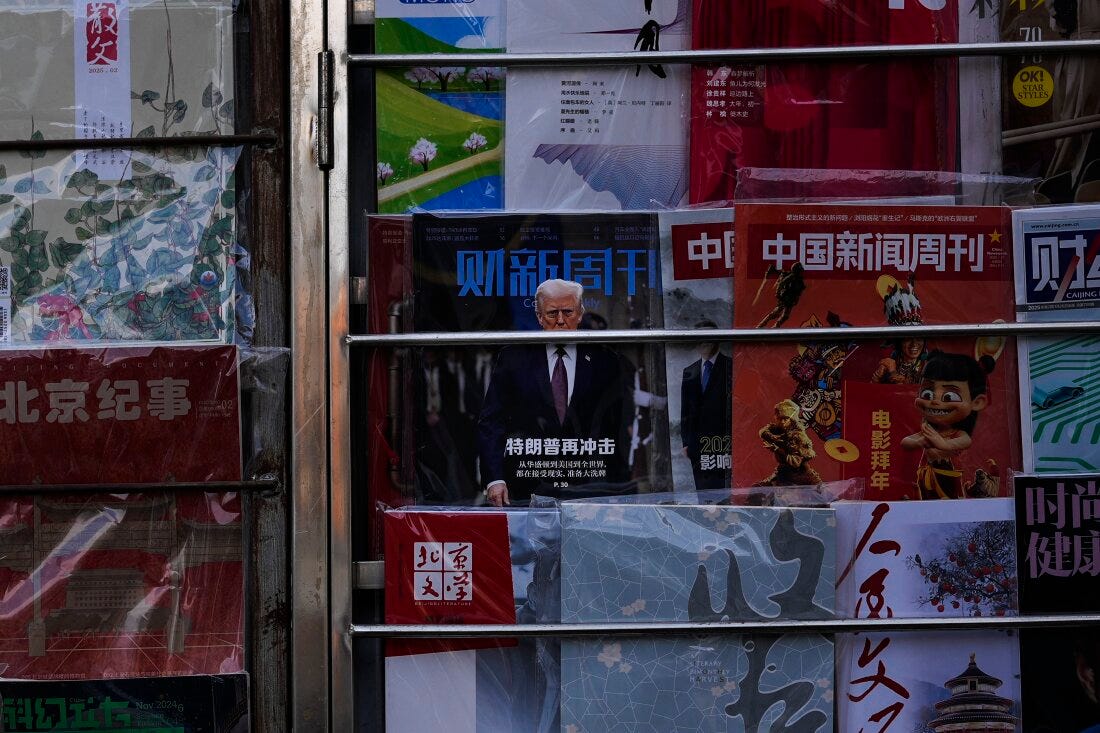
[(119, 415), (879, 115), (917, 418), (120, 584), (388, 311), (447, 568)]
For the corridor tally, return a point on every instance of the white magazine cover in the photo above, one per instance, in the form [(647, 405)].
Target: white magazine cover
[(916, 682), (697, 293), (598, 137), (1058, 279)]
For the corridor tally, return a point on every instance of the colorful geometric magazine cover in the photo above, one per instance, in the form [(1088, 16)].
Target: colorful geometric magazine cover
[(919, 418), (1058, 279), (194, 704), (1051, 102), (908, 681), (711, 684), (119, 415), (604, 137), (121, 585), (880, 115), (473, 566), (697, 279), (440, 128), (630, 562), (564, 419)]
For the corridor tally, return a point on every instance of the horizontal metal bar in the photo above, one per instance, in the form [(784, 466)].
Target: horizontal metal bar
[(856, 333), (179, 141), (190, 487), (729, 56), (825, 626)]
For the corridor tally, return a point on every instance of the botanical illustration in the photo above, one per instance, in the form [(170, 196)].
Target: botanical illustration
[(973, 572)]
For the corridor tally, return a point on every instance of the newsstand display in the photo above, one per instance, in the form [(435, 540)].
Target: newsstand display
[(725, 366), (128, 376)]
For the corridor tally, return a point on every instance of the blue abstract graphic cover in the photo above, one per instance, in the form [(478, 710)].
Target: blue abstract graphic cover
[(624, 561), (648, 562)]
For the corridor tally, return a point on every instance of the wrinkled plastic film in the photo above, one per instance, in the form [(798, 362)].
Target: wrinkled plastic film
[(884, 187), (152, 256), (472, 566), (121, 585), (115, 416), (171, 66)]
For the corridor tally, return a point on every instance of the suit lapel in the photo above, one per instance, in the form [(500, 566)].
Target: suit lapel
[(582, 377), (541, 368)]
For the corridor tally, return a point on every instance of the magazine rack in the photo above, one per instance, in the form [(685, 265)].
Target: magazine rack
[(368, 574)]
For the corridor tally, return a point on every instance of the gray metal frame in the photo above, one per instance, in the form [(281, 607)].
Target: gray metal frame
[(322, 688), (309, 542)]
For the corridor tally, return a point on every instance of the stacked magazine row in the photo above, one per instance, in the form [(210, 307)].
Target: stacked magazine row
[(808, 553), (453, 136), (916, 417)]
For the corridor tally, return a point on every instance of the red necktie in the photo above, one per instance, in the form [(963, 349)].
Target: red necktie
[(559, 386)]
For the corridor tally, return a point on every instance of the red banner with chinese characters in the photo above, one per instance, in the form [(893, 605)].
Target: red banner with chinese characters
[(119, 415), (702, 250), (447, 567)]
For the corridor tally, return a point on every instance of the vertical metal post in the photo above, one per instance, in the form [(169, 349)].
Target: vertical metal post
[(309, 485), (339, 274)]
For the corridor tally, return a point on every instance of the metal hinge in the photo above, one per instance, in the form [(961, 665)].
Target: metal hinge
[(359, 291), (326, 61), (370, 575)]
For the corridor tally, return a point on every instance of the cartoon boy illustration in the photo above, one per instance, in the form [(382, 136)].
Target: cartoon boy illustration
[(952, 393), (786, 438)]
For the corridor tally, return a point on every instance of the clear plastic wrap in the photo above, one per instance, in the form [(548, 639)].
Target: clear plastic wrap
[(117, 416), (151, 255), (197, 704), (822, 410), (932, 188), (133, 67), (121, 585), (629, 561), (712, 684), (473, 566)]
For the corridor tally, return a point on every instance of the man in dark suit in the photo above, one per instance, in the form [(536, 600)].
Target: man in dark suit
[(705, 415), (555, 415)]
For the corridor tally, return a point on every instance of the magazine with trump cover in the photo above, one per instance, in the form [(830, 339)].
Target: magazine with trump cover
[(563, 418), (919, 418)]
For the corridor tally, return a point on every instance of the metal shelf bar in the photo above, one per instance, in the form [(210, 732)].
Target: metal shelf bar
[(181, 141), (730, 56), (261, 484), (855, 333), (825, 626)]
